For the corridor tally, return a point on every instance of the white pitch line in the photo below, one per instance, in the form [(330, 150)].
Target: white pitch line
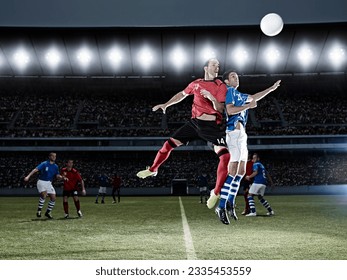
[(187, 236)]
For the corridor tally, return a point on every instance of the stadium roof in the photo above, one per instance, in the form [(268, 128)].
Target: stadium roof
[(171, 51)]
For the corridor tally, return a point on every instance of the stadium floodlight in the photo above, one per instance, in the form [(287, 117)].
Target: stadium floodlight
[(305, 55), (53, 58), (178, 57), (115, 56), (337, 56), (21, 58), (84, 56), (208, 53), (272, 56), (145, 57), (240, 56)]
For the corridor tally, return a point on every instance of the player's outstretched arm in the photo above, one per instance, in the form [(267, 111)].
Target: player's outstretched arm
[(233, 110), (175, 99), (26, 179), (265, 92)]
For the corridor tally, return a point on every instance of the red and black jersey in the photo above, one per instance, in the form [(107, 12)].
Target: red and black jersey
[(202, 105), (74, 178)]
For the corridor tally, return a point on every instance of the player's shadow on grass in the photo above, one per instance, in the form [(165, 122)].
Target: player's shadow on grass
[(66, 219), (40, 220)]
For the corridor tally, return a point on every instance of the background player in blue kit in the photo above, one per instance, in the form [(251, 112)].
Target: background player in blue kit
[(258, 187), (48, 171), (237, 105)]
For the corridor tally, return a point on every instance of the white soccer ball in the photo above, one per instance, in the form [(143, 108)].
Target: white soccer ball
[(271, 24)]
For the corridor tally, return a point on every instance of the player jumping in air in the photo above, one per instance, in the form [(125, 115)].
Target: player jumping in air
[(205, 123), (237, 105)]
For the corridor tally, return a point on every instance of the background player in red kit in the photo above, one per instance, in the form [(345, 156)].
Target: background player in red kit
[(116, 183), (71, 187), (208, 106)]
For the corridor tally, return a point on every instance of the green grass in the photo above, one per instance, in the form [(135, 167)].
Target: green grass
[(304, 227)]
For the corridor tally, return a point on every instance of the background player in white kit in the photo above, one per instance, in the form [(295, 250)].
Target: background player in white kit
[(237, 105)]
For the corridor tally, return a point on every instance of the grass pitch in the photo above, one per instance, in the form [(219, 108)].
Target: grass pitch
[(150, 228)]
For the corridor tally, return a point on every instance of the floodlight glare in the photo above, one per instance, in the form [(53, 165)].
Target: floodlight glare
[(272, 56), (178, 57), (305, 56), (53, 58), (240, 56), (145, 57), (115, 56), (84, 56), (337, 56), (207, 53), (21, 58)]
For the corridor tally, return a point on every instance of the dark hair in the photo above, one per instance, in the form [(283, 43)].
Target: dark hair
[(226, 75)]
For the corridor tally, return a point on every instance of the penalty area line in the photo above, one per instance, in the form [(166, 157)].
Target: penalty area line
[(190, 251)]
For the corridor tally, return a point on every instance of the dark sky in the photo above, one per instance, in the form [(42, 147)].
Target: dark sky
[(113, 13)]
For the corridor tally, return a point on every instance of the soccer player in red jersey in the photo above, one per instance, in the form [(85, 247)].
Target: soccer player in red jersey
[(71, 187), (116, 183), (205, 123)]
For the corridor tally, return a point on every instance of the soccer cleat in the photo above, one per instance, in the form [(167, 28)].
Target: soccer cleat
[(79, 213), (38, 214), (66, 216), (251, 214), (270, 213), (146, 173), (96, 202), (222, 215), (102, 202), (113, 202), (212, 200), (244, 212), (48, 215), (231, 211)]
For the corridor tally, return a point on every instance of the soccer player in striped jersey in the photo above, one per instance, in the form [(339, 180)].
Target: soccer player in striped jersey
[(71, 187), (237, 105), (258, 187), (48, 171), (205, 123)]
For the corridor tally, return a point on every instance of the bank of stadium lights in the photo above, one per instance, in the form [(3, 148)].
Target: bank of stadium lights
[(178, 57), (272, 56), (305, 55), (115, 56), (21, 58), (53, 58), (145, 57), (84, 56), (337, 56), (207, 53), (240, 56)]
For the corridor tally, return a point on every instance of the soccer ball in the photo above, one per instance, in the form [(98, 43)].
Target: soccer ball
[(271, 24)]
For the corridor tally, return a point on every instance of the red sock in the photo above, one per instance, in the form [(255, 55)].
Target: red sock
[(66, 207), (77, 204), (163, 154), (222, 170)]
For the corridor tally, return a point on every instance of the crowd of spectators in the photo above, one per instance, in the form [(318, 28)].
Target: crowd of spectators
[(286, 170), (107, 115)]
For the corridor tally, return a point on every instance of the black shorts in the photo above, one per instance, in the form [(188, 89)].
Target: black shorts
[(70, 193), (245, 184), (196, 129)]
